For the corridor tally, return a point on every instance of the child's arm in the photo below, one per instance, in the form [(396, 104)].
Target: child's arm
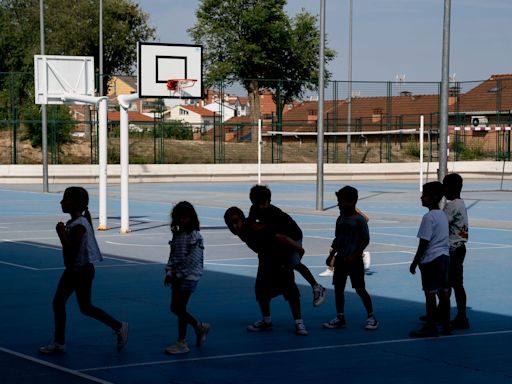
[(70, 242), (422, 246), (358, 252), (332, 254), (363, 214)]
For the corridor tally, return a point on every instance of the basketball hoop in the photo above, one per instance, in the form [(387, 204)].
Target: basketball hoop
[(176, 86)]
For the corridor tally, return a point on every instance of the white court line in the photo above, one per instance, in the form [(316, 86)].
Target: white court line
[(282, 351), (167, 246), (19, 266), (231, 265), (55, 366)]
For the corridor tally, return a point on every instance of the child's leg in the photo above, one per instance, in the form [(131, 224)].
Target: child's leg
[(444, 308), (179, 301), (294, 303), (306, 273), (84, 280), (64, 290), (456, 279), (431, 306), (366, 299)]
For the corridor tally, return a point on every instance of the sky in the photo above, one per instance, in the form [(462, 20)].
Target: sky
[(390, 38)]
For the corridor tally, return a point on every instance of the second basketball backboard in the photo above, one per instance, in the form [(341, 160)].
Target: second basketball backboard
[(56, 76), (158, 63)]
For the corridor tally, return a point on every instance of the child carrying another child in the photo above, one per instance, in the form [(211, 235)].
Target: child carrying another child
[(433, 259), (280, 222), (351, 238), (275, 274), (183, 271)]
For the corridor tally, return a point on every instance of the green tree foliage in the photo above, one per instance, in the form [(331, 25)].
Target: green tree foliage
[(71, 29), (254, 40)]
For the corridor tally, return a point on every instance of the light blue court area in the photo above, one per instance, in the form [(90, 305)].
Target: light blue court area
[(129, 285)]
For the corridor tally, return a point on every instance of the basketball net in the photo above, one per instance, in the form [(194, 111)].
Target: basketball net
[(176, 86)]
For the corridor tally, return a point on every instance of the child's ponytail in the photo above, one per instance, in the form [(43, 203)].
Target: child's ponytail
[(87, 215)]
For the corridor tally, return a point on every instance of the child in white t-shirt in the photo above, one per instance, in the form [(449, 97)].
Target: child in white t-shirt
[(433, 259)]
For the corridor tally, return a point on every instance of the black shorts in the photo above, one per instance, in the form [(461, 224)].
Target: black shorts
[(352, 269), (457, 266), (434, 274), (273, 280)]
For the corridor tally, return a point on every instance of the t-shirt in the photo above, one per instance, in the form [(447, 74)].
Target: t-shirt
[(434, 229), (186, 255), (88, 251), (458, 222), (350, 232), (277, 220)]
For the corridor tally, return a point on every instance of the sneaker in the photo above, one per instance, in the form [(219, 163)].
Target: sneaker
[(425, 331), (300, 329), (318, 295), (327, 272), (372, 323), (181, 346), (335, 323), (122, 336), (459, 323), (258, 326), (201, 332), (53, 349)]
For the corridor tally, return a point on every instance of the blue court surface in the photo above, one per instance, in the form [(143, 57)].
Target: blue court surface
[(129, 285)]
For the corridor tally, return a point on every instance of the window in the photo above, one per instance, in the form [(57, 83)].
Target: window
[(183, 112)]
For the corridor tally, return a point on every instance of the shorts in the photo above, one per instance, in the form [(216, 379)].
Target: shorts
[(184, 285), (457, 266), (353, 269), (434, 274), (272, 281), (295, 258)]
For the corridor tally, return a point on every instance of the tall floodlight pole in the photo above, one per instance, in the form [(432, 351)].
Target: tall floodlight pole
[(320, 115), (101, 51), (44, 123), (443, 122), (349, 100)]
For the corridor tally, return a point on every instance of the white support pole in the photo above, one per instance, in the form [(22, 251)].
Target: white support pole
[(259, 151), (422, 129), (103, 163), (125, 102), (102, 103)]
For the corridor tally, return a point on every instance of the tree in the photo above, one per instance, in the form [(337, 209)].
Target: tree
[(71, 29), (255, 40)]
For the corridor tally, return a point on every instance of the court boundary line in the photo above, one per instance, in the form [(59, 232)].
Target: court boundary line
[(294, 350), (55, 366)]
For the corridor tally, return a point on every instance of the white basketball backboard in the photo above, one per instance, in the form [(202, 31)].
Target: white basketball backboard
[(158, 63), (56, 76)]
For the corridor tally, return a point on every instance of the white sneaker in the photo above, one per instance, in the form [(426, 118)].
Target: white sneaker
[(372, 323), (201, 332), (53, 349), (327, 272), (180, 347), (300, 329), (122, 336), (318, 295)]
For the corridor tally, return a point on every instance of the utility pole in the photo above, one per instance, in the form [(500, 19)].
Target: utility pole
[(44, 122)]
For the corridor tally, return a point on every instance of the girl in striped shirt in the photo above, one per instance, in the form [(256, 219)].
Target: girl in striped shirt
[(183, 271)]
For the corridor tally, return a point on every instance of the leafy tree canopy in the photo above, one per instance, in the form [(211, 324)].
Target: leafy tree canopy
[(72, 29), (254, 40)]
